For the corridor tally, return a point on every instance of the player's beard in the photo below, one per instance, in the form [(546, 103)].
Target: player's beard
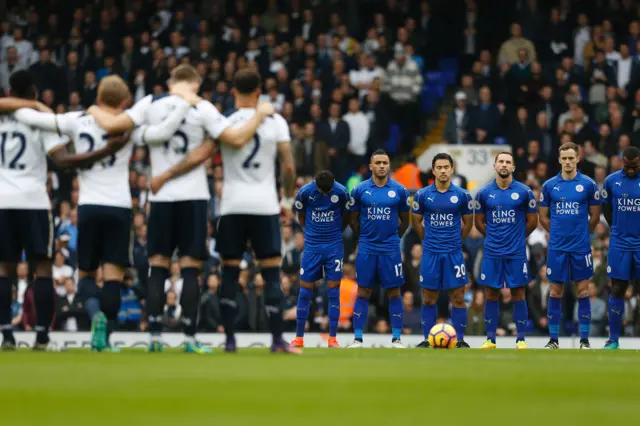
[(504, 174)]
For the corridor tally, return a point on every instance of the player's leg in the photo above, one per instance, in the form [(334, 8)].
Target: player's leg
[(517, 277), (558, 273), (192, 222), (160, 246), (455, 279), (391, 279), (264, 233), (36, 227), (310, 272), (581, 272), (366, 267), (431, 284), (10, 250), (492, 278), (620, 270), (231, 239), (333, 275)]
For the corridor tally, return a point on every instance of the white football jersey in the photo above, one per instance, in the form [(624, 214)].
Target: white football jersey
[(250, 172), (23, 164), (202, 119)]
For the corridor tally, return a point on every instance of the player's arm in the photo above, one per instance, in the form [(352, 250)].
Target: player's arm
[(417, 214), (288, 171), (63, 158), (354, 223), (467, 215), (404, 211), (301, 218), (594, 217), (605, 197), (62, 124), (162, 132), (112, 123), (404, 222), (467, 224), (532, 222), (532, 212), (10, 104), (193, 159), (221, 129), (300, 207), (479, 213), (354, 211), (543, 207)]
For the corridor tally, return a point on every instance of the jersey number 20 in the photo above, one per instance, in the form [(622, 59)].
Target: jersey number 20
[(12, 163), (248, 163)]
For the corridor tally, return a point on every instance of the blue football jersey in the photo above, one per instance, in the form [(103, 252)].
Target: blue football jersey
[(323, 216), (379, 209), (505, 213), (442, 213), (568, 202), (622, 193)]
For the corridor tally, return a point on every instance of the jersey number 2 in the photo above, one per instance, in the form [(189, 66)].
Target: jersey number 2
[(13, 164), (92, 144), (248, 163)]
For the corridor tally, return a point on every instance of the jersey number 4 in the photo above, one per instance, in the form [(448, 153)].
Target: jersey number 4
[(12, 163), (248, 163), (107, 162)]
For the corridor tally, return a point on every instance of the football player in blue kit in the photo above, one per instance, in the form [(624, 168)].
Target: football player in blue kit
[(322, 210), (379, 216), (505, 213), (569, 210), (443, 217), (621, 205)]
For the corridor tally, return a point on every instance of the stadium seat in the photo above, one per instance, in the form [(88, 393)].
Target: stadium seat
[(395, 136)]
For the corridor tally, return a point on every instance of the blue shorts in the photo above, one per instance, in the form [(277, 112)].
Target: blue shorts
[(387, 268), (496, 272), (564, 266), (623, 265), (443, 271), (316, 265)]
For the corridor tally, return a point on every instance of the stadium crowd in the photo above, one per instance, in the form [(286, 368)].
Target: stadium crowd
[(532, 75)]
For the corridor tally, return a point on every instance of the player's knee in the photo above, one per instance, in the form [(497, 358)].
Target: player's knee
[(111, 272), (270, 262), (333, 284), (582, 289), (364, 293), (310, 286), (5, 269), (491, 294), (618, 288), (160, 261), (190, 262), (429, 297), (556, 291), (393, 293), (457, 298), (44, 268), (518, 294)]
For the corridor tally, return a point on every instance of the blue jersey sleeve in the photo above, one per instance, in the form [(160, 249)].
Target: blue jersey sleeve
[(545, 197), (594, 194), (354, 200), (300, 205), (480, 203), (467, 206), (607, 192), (404, 204), (532, 205), (417, 207)]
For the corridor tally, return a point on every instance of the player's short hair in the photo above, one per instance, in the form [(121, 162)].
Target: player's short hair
[(186, 73), (441, 156), (378, 152), (22, 85), (513, 159), (247, 81), (631, 153), (567, 146), (112, 91), (325, 180)]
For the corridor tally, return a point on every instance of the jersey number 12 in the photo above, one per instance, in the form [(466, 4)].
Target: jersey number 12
[(12, 163)]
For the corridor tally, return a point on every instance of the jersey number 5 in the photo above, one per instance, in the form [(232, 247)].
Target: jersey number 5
[(13, 163), (248, 163), (107, 162)]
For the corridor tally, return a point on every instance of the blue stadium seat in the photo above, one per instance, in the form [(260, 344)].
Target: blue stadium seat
[(395, 136), (449, 66), (500, 141)]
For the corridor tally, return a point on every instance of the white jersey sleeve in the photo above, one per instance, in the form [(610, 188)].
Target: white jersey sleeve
[(51, 142), (163, 131), (214, 122), (138, 112), (282, 129), (63, 124)]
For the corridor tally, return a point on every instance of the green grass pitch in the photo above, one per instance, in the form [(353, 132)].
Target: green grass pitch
[(322, 387)]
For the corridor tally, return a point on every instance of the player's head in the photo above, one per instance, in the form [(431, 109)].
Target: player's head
[(380, 164), (246, 85), (442, 167), (568, 156), (504, 164), (631, 161), (324, 180), (185, 74), (113, 92), (22, 85)]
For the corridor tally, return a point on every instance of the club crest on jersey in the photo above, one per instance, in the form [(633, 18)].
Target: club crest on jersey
[(334, 199), (579, 188), (453, 199), (392, 194), (298, 204), (515, 196), (416, 206)]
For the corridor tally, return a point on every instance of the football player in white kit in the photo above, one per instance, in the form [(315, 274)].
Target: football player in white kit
[(25, 208), (105, 235), (250, 210), (178, 216)]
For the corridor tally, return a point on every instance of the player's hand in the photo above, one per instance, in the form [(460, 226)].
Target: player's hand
[(117, 140), (266, 109), (287, 203), (157, 183), (42, 107)]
